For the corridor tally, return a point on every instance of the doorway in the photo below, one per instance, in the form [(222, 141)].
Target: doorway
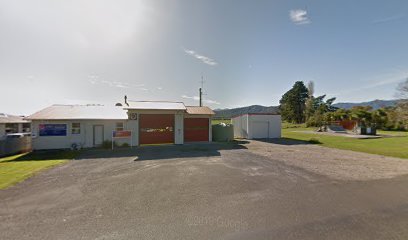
[(98, 133)]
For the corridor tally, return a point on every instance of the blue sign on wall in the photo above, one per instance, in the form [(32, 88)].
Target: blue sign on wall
[(53, 129)]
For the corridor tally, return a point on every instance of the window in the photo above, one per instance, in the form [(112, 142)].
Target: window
[(11, 128), (26, 127), (75, 128), (52, 130), (119, 126)]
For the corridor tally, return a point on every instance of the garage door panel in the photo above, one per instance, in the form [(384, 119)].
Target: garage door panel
[(260, 129), (196, 129), (156, 128)]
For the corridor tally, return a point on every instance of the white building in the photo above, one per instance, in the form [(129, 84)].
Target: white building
[(257, 126), (61, 126), (10, 124)]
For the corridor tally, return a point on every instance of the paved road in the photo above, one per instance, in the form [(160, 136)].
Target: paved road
[(200, 192)]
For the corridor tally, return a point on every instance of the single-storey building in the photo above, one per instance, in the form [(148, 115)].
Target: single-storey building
[(149, 122), (10, 124), (257, 126)]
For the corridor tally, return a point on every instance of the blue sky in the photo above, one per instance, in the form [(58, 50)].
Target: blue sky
[(249, 52)]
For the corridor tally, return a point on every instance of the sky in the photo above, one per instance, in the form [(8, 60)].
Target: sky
[(247, 52)]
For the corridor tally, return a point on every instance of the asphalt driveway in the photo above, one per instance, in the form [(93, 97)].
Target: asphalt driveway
[(251, 190)]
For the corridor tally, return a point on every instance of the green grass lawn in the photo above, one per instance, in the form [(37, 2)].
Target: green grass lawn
[(396, 146), (217, 121), (16, 168)]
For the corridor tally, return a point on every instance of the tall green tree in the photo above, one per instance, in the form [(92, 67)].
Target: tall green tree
[(309, 105), (402, 106), (362, 114), (319, 108), (292, 103)]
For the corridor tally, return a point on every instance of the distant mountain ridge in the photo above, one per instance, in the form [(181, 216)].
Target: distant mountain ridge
[(375, 104), (231, 112)]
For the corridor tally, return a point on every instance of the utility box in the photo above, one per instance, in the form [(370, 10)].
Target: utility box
[(222, 132), (257, 126)]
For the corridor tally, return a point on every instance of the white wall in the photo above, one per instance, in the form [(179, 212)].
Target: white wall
[(133, 125), (240, 124), (273, 121), (257, 126), (85, 138), (179, 128), (236, 123), (210, 129)]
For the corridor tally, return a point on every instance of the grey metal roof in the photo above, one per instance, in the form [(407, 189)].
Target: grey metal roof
[(154, 105), (193, 110), (66, 112), (7, 118)]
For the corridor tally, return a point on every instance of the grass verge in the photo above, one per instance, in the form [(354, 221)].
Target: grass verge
[(217, 121), (14, 169), (394, 146)]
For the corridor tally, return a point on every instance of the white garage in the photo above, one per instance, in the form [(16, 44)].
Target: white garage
[(257, 126)]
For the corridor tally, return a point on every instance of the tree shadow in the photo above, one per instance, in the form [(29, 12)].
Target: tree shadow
[(161, 152), (289, 141), (140, 153), (44, 155)]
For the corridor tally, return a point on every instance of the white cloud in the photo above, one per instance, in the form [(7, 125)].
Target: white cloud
[(93, 79), (204, 59), (299, 16), (196, 98), (388, 19), (209, 101)]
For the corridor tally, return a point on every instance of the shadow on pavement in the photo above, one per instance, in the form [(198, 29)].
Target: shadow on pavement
[(288, 141), (44, 155), (163, 151)]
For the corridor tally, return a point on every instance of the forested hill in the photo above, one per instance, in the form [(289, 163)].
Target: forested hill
[(228, 113), (376, 104)]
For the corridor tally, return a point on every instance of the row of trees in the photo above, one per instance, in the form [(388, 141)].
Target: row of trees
[(299, 105), (383, 118)]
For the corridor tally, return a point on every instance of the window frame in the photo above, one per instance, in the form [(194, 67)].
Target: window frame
[(26, 127), (122, 128), (11, 128), (78, 128)]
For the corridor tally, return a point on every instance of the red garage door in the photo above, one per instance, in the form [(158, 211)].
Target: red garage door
[(156, 128), (196, 129)]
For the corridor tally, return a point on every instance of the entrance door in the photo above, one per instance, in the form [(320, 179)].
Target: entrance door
[(196, 129), (156, 128), (97, 135)]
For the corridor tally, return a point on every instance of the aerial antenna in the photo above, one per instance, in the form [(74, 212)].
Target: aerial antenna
[(202, 81), (200, 91)]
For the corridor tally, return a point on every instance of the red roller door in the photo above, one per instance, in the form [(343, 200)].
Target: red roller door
[(196, 129), (156, 128)]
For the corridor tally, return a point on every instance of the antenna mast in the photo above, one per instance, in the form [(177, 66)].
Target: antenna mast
[(201, 91)]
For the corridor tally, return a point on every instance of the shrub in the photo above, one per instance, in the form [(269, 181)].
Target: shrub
[(108, 144), (314, 141), (292, 125), (125, 145)]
